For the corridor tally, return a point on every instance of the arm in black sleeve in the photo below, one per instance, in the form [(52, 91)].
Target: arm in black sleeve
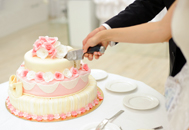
[(138, 12)]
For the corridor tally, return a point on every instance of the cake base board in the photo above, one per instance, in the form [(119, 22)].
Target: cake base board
[(67, 118)]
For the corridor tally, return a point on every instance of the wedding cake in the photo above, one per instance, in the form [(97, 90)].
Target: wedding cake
[(47, 86)]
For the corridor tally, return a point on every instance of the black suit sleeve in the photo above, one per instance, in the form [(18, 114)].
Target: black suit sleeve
[(138, 12)]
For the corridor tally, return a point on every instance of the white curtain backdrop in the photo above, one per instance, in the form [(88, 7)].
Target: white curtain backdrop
[(105, 9)]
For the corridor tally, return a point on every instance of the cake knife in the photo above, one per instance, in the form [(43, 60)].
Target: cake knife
[(78, 54)]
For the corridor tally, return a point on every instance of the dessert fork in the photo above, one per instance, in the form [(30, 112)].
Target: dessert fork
[(105, 121)]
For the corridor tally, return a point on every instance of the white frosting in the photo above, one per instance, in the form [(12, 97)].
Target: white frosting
[(44, 106), (70, 85), (46, 65), (48, 88), (52, 87)]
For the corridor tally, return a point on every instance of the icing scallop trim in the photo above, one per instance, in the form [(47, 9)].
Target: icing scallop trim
[(49, 76), (51, 117)]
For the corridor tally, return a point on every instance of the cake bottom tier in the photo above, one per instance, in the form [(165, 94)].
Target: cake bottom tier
[(61, 105)]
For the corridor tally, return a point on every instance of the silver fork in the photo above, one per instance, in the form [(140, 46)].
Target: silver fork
[(105, 121)]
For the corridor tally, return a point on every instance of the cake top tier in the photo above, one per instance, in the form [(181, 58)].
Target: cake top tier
[(48, 55), (49, 47)]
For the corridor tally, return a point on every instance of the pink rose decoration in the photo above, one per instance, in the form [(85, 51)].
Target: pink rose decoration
[(78, 112), (90, 105), (50, 117), (100, 97), (74, 72), (28, 117), (74, 113), (25, 114), (20, 114), (68, 114), (82, 110), (58, 76), (85, 67), (43, 39), (37, 45), (39, 77), (63, 116), (45, 117), (39, 118), (96, 102), (48, 46), (56, 116), (24, 73), (52, 40)]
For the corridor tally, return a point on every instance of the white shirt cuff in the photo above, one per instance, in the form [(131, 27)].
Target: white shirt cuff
[(111, 43)]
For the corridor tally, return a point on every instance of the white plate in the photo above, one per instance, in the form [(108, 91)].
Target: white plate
[(99, 74), (140, 101), (121, 86), (92, 126)]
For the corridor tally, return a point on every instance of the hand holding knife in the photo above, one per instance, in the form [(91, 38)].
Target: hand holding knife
[(78, 54)]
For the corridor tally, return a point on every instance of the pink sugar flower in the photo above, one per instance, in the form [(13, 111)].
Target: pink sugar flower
[(48, 46), (50, 117), (56, 116), (34, 117), (63, 116), (37, 45), (45, 117), (16, 112), (20, 114), (43, 39), (58, 76), (85, 67), (90, 105), (74, 72), (100, 97), (87, 108), (78, 112), (53, 53), (52, 40), (96, 102), (28, 117), (74, 113), (68, 114), (39, 77), (39, 118), (24, 73), (82, 110), (25, 114)]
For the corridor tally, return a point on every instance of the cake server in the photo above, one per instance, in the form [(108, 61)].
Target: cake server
[(78, 54), (105, 121)]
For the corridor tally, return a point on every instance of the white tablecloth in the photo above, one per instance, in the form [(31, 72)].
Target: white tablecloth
[(112, 103)]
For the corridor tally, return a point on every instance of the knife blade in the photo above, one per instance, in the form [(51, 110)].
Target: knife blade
[(78, 54)]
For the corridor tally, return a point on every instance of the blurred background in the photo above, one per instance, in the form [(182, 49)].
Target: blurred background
[(23, 21)]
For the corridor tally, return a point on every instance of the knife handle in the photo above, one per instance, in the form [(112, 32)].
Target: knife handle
[(97, 48)]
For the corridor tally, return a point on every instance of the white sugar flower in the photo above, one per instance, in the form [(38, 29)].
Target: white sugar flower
[(48, 76), (42, 53), (56, 44), (61, 51), (67, 73), (30, 75)]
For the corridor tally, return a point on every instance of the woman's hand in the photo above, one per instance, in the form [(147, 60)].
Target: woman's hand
[(87, 42), (93, 41)]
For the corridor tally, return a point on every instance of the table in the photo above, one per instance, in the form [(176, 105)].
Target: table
[(112, 103)]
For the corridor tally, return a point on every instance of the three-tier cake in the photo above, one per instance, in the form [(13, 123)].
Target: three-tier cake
[(48, 87)]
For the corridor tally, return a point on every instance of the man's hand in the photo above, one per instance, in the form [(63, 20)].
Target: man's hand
[(90, 35)]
